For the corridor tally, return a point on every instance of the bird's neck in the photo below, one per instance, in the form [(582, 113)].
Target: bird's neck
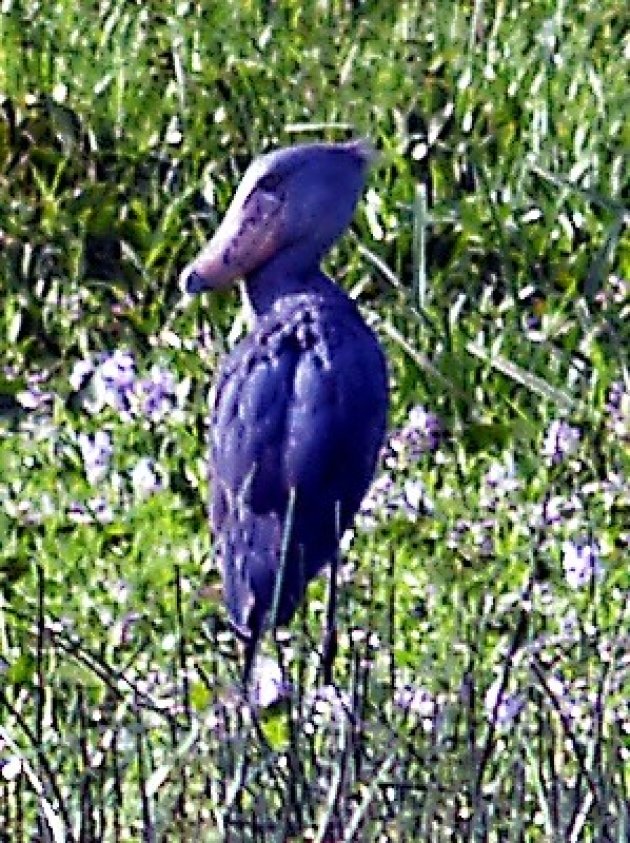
[(282, 278)]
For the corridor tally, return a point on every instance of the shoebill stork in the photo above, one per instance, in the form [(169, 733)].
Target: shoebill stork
[(300, 404)]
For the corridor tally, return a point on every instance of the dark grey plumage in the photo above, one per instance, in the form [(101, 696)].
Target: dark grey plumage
[(300, 404)]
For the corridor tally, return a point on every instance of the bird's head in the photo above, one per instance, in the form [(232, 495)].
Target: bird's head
[(299, 199)]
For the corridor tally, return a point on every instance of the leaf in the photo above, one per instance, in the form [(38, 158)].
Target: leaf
[(481, 437), (276, 730), (527, 379)]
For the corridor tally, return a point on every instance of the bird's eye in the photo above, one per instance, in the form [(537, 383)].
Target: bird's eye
[(269, 182)]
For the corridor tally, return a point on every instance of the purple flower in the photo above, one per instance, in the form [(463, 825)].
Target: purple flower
[(33, 398), (561, 441), (618, 407), (426, 423), (499, 481), (145, 479), (101, 510), (581, 563), (377, 503), (118, 369), (416, 700), (96, 452), (268, 685), (81, 370), (420, 435), (97, 510), (115, 379), (112, 381), (501, 476), (414, 500), (385, 499), (477, 537), (156, 393), (557, 510)]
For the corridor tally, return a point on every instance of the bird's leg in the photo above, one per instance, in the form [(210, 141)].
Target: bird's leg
[(257, 623), (251, 649), (329, 648)]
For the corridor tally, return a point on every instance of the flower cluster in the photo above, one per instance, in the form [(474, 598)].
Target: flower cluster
[(146, 478), (499, 482), (618, 411), (556, 511), (268, 685), (156, 394), (96, 452), (387, 499), (392, 493), (113, 381), (416, 700), (420, 435), (581, 562), (398, 492), (561, 440), (474, 538), (94, 511)]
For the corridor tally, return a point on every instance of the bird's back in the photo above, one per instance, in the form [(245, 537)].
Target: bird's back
[(299, 419)]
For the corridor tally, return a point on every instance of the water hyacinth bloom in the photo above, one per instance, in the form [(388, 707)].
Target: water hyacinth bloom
[(416, 700), (377, 504), (112, 381), (581, 563), (499, 481), (97, 511), (145, 479), (33, 398), (156, 394), (558, 510), (385, 500), (415, 500), (268, 685), (618, 408), (420, 435), (115, 383), (477, 537), (115, 379), (81, 371), (561, 441), (96, 452)]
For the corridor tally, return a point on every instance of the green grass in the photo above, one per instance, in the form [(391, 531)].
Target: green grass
[(491, 254)]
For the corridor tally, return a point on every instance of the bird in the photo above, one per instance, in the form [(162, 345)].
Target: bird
[(299, 407)]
